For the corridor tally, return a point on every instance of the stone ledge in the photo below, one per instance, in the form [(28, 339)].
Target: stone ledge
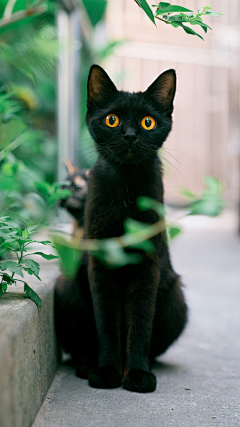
[(28, 349)]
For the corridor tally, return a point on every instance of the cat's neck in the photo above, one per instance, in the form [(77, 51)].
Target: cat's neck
[(115, 180), (146, 169)]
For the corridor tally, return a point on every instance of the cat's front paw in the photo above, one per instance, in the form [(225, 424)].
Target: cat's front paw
[(105, 377), (140, 381)]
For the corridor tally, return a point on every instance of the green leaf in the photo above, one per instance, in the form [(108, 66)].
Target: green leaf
[(33, 265), (95, 10), (31, 272), (114, 256), (30, 293), (170, 9), (46, 256), (16, 60), (11, 266), (132, 226), (173, 231), (1, 291), (3, 218), (4, 287), (7, 241), (59, 194), (32, 229), (146, 246), (205, 27), (43, 187), (44, 242), (25, 234), (10, 130), (145, 203), (8, 279), (211, 202), (213, 184), (207, 206), (212, 13), (145, 6), (185, 192), (190, 31), (21, 242), (70, 257)]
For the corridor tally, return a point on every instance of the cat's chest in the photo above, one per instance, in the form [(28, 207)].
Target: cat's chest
[(111, 203)]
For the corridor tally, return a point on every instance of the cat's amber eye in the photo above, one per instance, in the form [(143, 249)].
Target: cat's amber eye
[(112, 120), (148, 123)]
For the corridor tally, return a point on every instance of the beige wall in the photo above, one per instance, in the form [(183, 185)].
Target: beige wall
[(205, 136)]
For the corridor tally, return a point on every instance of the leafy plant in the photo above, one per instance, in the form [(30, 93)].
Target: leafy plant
[(112, 252), (28, 55), (179, 16), (26, 198), (14, 240), (210, 203)]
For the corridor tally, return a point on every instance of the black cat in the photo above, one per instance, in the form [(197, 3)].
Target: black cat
[(115, 321), (78, 185)]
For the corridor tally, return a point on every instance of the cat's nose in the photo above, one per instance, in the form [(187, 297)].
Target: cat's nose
[(130, 134)]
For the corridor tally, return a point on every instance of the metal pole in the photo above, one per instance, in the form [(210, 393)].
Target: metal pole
[(68, 103)]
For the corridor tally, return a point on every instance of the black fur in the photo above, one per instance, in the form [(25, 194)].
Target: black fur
[(75, 204), (114, 322)]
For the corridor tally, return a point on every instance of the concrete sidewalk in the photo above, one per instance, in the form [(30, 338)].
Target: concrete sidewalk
[(28, 348), (199, 377)]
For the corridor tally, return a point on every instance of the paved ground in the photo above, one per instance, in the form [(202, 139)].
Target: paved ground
[(199, 377)]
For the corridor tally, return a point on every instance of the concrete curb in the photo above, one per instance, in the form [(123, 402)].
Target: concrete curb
[(28, 349)]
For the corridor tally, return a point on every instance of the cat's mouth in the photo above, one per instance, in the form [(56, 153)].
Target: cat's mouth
[(130, 155), (130, 152), (127, 154)]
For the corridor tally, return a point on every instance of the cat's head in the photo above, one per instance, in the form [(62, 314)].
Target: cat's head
[(129, 127)]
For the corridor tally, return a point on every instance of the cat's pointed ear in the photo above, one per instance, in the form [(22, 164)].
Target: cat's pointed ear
[(100, 86), (163, 89)]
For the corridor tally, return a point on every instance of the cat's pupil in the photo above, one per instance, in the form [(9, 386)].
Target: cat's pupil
[(148, 122), (112, 120)]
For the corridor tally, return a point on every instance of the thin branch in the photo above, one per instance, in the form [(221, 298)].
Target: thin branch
[(18, 16), (8, 9), (160, 19), (123, 241)]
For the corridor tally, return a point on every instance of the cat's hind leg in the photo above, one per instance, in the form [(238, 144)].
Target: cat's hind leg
[(170, 317), (74, 320)]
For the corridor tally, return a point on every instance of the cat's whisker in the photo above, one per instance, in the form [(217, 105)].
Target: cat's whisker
[(181, 165), (171, 164), (176, 160), (180, 152)]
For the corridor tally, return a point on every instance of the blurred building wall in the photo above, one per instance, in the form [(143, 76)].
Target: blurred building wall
[(205, 136)]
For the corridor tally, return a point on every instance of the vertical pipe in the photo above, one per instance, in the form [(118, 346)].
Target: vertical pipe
[(74, 85), (68, 102)]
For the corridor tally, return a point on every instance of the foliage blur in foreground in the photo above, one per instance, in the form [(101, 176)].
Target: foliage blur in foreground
[(137, 234)]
